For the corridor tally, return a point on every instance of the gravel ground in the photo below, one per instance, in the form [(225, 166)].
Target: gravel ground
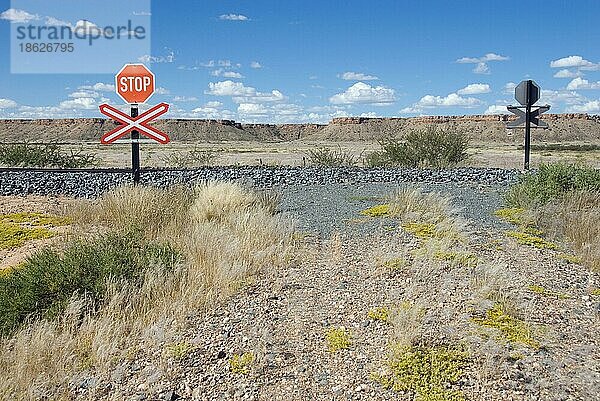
[(282, 318), (336, 278), (81, 184), (323, 210)]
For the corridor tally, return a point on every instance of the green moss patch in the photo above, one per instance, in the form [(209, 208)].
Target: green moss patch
[(241, 364), (461, 258), (531, 240), (511, 328), (421, 230), (35, 219), (512, 215), (570, 258), (18, 228), (337, 338), (377, 211), (427, 372), (380, 313), (548, 293), (14, 235)]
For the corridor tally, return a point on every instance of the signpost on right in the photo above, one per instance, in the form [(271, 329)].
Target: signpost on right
[(527, 93)]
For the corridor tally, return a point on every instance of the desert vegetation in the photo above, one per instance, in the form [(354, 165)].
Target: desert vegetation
[(128, 281), (430, 147), (332, 157), (195, 157), (43, 155), (563, 201)]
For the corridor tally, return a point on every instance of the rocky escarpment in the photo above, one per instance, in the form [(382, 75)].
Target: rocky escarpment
[(480, 128)]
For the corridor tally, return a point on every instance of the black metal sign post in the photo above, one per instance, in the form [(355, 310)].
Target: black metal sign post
[(135, 148), (527, 93)]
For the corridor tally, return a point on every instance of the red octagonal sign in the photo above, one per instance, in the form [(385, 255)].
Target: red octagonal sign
[(135, 83)]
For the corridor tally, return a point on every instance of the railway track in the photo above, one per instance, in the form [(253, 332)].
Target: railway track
[(92, 182)]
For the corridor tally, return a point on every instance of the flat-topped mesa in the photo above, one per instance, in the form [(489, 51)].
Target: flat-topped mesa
[(449, 119)]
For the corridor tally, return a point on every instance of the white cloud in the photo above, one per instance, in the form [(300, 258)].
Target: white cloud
[(364, 93), (411, 110), (86, 103), (18, 16), (452, 100), (255, 64), (509, 88), (7, 104), (433, 102), (483, 59), (220, 63), (51, 21), (162, 91), (146, 58), (259, 97), (243, 94), (142, 13), (229, 88), (185, 99), (567, 74), (84, 93), (580, 83), (214, 104), (571, 61), (220, 72), (85, 27), (252, 109), (590, 107), (100, 87), (497, 109), (212, 113), (357, 76), (553, 97), (233, 17), (474, 89), (481, 66)]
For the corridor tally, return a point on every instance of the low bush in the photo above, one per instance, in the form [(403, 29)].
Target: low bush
[(43, 285), (550, 182), (327, 157), (431, 147), (43, 155)]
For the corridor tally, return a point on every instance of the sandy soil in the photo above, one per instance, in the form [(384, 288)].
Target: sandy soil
[(36, 204), (295, 153)]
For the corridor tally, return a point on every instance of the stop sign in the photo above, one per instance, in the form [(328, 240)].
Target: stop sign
[(135, 83)]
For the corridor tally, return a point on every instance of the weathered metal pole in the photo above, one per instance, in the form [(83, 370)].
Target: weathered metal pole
[(528, 124), (135, 148)]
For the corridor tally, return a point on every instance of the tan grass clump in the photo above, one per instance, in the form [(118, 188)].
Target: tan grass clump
[(574, 218), (226, 234)]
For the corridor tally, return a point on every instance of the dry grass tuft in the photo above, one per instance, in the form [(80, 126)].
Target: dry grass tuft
[(574, 218), (225, 233)]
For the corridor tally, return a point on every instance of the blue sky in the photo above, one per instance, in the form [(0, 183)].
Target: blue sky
[(308, 61)]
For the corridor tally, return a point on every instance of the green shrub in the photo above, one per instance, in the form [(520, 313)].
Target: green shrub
[(550, 182), (430, 147), (44, 283), (43, 155), (327, 157), (428, 373)]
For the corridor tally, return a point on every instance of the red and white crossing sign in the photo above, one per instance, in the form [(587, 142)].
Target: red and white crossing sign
[(139, 123), (135, 83)]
